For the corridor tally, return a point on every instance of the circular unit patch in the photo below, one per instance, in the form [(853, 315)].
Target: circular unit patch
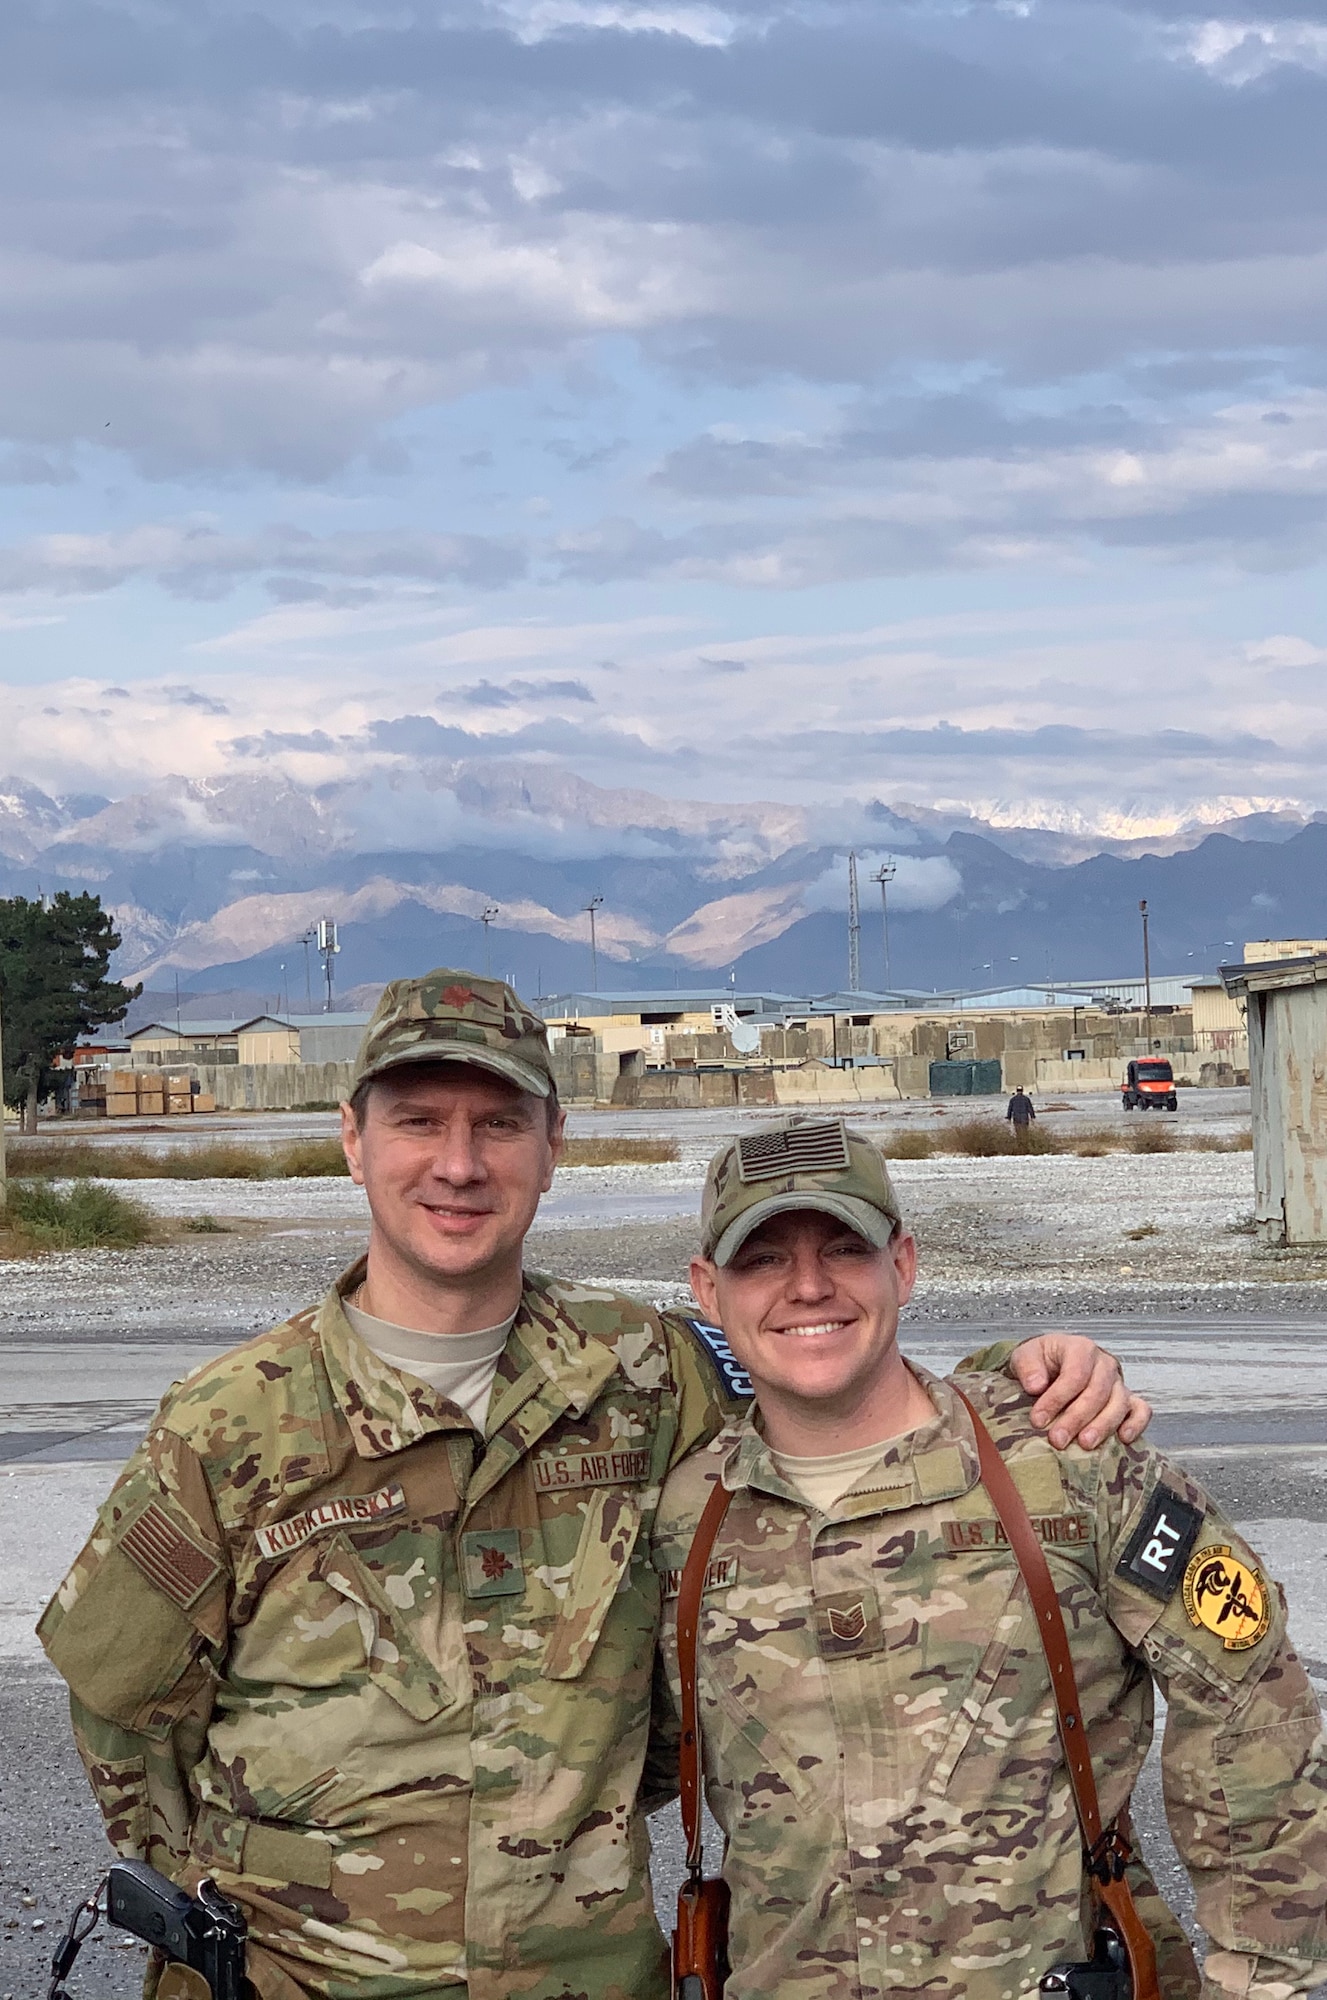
[(1228, 1597)]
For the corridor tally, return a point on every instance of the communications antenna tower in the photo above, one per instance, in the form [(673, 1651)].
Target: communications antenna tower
[(854, 928)]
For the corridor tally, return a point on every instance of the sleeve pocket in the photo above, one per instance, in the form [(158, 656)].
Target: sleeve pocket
[(123, 1648)]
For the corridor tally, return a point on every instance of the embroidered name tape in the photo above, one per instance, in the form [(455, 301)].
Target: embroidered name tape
[(1161, 1543), (562, 1472), (735, 1378), (351, 1510), (720, 1572), (1071, 1530)]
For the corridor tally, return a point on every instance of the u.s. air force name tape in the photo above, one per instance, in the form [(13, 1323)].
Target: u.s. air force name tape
[(348, 1510), (735, 1378), (563, 1472)]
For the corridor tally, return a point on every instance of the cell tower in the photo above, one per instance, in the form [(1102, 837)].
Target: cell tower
[(329, 946), (854, 928)]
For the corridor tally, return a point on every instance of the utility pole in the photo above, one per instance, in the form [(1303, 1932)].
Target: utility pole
[(884, 875), (306, 941), (329, 945), (1147, 970), (489, 916), (595, 903), (854, 927)]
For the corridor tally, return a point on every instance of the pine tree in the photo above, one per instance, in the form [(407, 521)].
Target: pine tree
[(54, 958)]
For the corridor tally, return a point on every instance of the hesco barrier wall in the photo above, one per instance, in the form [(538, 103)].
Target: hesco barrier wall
[(287, 1086), (273, 1086)]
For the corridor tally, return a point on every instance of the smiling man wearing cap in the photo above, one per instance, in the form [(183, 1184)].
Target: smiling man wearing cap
[(878, 1725), (366, 1630)]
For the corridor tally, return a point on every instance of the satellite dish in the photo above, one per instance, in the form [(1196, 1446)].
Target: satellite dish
[(746, 1037)]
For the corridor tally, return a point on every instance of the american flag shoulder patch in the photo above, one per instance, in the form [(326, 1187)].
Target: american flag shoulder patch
[(172, 1561)]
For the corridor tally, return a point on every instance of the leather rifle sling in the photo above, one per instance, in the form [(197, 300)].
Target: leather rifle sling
[(1106, 1852), (688, 1627)]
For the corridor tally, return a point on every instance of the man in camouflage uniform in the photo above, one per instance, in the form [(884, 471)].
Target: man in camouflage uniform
[(377, 1655), (880, 1737)]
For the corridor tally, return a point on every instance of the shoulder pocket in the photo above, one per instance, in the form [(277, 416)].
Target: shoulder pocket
[(123, 1647)]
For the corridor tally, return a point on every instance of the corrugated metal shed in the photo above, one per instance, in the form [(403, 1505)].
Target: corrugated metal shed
[(1287, 1027)]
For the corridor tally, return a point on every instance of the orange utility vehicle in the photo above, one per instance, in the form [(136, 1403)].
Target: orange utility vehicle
[(1149, 1085)]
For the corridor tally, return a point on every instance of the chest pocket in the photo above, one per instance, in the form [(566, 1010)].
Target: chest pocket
[(990, 1604), (600, 1571), (395, 1663)]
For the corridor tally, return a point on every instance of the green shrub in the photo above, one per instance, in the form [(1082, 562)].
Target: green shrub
[(310, 1159), (81, 1217), (979, 1138), (908, 1145), (1152, 1138), (619, 1152)]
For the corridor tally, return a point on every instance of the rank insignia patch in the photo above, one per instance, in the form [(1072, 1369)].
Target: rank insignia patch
[(491, 1562), (849, 1622), (1228, 1597), (1159, 1546)]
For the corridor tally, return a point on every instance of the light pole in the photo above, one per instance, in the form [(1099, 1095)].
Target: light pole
[(489, 917), (595, 903), (884, 875), (1147, 970)]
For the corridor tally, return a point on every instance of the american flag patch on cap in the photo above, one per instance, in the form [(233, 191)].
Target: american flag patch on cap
[(168, 1558), (820, 1148)]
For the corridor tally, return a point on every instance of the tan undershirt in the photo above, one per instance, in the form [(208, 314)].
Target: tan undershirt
[(824, 1481), (460, 1366)]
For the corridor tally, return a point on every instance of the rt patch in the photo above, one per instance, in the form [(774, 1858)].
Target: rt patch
[(1161, 1543), (734, 1377)]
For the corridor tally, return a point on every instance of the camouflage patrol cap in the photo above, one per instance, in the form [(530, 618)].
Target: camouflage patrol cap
[(798, 1163), (450, 1016)]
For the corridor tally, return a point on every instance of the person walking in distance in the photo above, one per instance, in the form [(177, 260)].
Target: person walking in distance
[(366, 1629), (1020, 1115)]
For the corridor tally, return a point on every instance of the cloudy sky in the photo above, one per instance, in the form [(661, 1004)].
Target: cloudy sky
[(735, 399)]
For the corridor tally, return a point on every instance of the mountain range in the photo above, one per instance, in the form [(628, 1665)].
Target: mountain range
[(215, 883)]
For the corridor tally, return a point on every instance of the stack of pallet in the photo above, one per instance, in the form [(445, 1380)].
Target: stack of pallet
[(138, 1093)]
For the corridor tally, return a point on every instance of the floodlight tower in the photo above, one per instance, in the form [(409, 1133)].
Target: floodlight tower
[(884, 875), (854, 927)]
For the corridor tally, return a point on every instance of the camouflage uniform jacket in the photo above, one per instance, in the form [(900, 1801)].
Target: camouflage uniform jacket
[(387, 1681), (880, 1739)]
